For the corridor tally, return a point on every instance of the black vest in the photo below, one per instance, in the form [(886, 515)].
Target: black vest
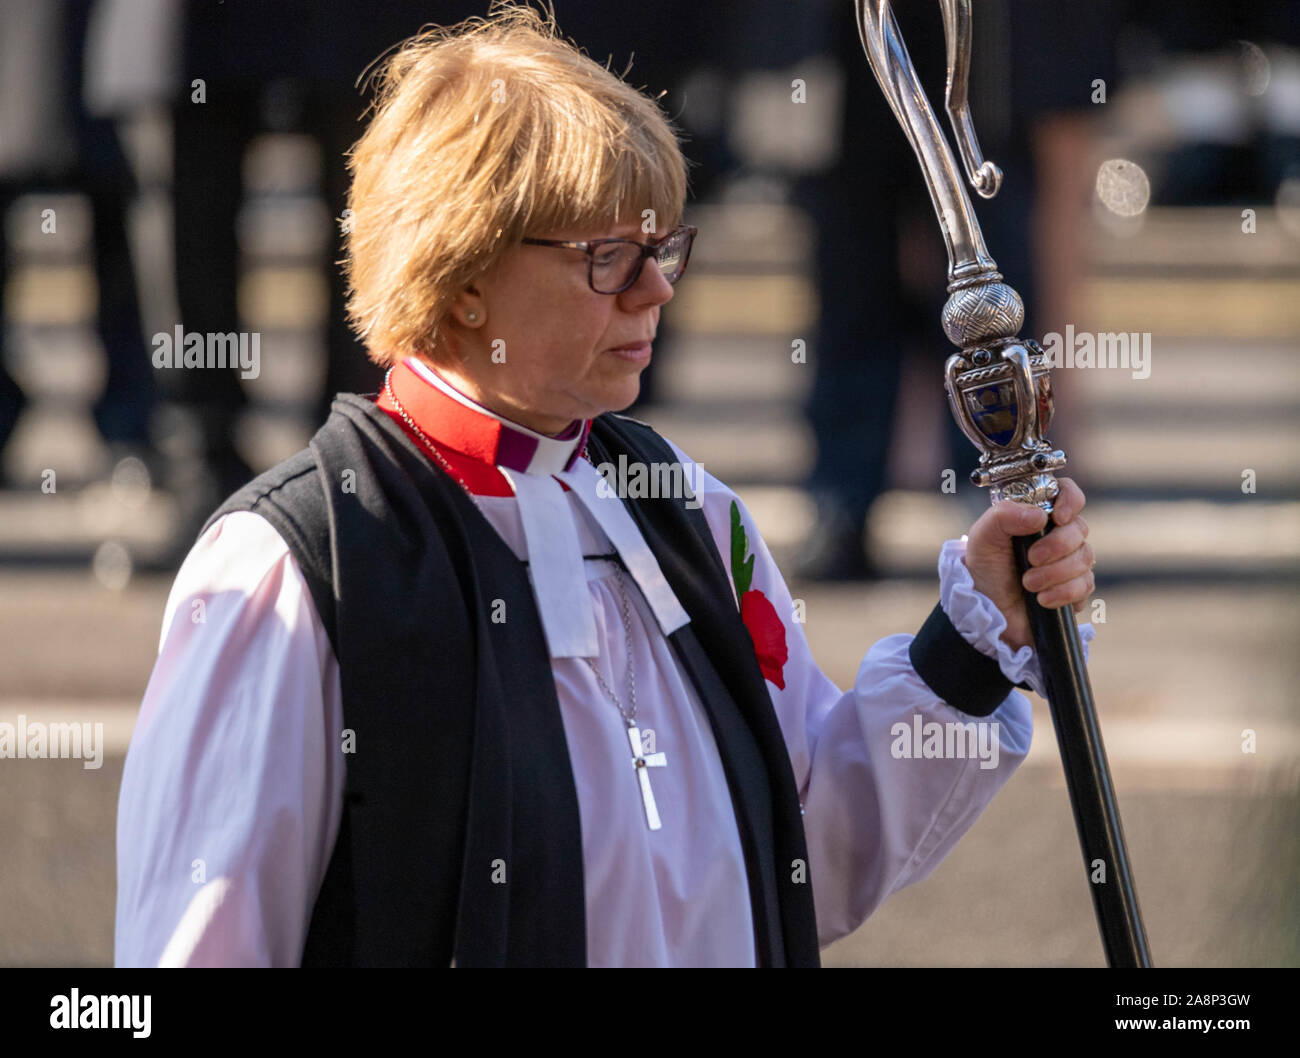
[(460, 835)]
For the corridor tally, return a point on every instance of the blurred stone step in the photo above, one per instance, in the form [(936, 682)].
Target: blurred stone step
[(776, 445), (1132, 539), (700, 369), (1210, 461), (91, 526), (1238, 378), (1239, 307), (1202, 239), (776, 448), (752, 237)]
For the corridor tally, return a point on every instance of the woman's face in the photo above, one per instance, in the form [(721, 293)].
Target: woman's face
[(546, 349)]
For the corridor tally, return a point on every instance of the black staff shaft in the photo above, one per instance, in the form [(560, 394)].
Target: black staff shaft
[(1087, 775)]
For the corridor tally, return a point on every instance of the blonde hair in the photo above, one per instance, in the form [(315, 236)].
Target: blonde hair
[(483, 133)]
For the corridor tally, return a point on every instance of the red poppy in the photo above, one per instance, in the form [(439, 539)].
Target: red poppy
[(768, 634)]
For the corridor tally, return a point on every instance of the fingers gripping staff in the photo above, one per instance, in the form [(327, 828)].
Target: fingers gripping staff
[(999, 388)]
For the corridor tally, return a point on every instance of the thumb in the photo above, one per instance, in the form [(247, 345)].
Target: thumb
[(1018, 519)]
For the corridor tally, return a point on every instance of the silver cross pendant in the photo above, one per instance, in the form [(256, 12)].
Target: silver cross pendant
[(642, 761)]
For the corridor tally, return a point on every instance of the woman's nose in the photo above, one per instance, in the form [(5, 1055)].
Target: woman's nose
[(650, 288)]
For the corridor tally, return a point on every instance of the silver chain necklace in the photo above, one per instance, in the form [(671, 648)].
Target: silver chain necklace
[(640, 759)]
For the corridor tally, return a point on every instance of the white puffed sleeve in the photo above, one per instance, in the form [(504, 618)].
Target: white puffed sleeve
[(890, 775), (230, 804)]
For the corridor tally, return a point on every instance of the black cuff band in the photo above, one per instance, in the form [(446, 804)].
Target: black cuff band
[(955, 670)]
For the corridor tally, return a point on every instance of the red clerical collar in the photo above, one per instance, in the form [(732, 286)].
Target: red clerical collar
[(452, 420)]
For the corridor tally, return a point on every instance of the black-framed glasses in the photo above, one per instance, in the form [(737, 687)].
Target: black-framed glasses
[(613, 265)]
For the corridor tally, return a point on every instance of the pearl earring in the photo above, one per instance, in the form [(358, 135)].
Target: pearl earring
[(471, 316)]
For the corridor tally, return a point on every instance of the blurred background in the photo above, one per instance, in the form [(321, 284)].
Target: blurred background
[(170, 164)]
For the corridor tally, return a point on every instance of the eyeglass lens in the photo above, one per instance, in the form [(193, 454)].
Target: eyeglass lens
[(613, 264)]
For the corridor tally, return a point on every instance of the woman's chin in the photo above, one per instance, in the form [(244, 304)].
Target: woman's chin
[(625, 395), (613, 394)]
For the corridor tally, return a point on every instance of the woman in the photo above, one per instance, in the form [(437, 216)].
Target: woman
[(437, 689)]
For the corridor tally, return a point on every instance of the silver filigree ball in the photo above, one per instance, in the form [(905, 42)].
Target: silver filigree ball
[(982, 313)]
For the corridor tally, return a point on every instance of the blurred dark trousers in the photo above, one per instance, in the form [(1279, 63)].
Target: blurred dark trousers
[(210, 142), (122, 411)]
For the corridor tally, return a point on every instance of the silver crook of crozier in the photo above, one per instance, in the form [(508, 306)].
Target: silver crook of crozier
[(999, 386)]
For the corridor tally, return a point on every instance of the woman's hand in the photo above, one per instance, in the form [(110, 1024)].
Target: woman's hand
[(1061, 563)]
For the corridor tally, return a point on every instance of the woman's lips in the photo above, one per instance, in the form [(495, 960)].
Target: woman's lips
[(636, 352)]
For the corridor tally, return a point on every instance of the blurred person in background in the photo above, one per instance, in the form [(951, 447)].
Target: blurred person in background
[(289, 66), (51, 140), (1227, 89)]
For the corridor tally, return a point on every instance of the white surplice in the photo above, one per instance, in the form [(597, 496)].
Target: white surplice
[(232, 792)]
